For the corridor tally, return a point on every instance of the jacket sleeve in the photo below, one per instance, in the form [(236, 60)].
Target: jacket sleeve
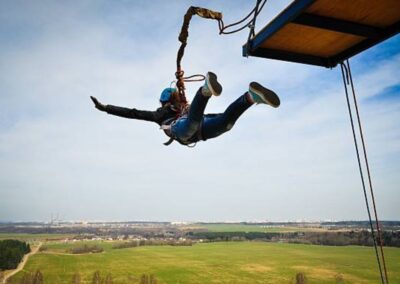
[(153, 116)]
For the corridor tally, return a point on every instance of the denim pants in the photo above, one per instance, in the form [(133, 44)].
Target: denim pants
[(197, 126)]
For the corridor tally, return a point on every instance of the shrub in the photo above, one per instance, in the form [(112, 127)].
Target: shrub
[(86, 249)]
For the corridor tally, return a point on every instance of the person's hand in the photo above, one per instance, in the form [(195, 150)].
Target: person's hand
[(97, 104)]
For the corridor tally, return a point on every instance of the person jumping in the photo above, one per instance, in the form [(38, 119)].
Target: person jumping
[(194, 125)]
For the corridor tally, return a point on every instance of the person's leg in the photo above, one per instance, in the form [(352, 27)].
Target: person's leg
[(215, 125), (187, 126)]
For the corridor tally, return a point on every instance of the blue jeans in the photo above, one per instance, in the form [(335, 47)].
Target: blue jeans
[(197, 126)]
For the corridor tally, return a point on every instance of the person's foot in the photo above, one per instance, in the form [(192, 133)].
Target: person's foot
[(262, 95), (97, 104), (211, 85)]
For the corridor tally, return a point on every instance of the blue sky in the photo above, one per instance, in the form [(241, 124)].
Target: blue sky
[(59, 155)]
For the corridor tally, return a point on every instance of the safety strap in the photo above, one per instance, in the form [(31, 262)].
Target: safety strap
[(166, 127)]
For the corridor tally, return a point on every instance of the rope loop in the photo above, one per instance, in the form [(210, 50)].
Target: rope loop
[(194, 78)]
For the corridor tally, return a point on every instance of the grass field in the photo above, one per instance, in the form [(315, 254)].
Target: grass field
[(254, 228), (228, 262)]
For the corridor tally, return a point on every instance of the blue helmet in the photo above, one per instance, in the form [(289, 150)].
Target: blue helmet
[(166, 94)]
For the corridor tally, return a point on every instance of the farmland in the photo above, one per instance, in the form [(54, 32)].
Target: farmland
[(219, 262)]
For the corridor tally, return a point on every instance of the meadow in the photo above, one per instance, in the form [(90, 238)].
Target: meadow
[(220, 262)]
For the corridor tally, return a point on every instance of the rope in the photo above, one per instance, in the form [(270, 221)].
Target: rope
[(368, 172), (253, 25), (347, 80), (256, 10), (194, 78), (184, 34)]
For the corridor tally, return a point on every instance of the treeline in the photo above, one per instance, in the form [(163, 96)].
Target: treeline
[(160, 242), (97, 278), (11, 253), (91, 232), (86, 249), (361, 238), (232, 236)]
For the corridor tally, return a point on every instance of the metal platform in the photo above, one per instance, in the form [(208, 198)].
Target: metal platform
[(326, 32)]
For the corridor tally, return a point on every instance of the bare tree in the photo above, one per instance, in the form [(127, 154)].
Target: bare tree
[(301, 278), (108, 279), (148, 279), (96, 278), (38, 277), (76, 278)]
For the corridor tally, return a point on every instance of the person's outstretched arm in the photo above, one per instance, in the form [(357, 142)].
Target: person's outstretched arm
[(157, 116)]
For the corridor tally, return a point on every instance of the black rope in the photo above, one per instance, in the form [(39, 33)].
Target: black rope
[(256, 10), (346, 81), (368, 171), (252, 27)]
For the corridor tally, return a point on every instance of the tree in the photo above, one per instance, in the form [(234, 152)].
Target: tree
[(96, 278), (27, 278), (76, 278), (11, 253), (153, 279), (148, 279), (144, 279), (38, 277), (108, 279), (301, 278)]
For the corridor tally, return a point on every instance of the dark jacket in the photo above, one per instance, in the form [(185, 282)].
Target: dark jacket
[(160, 116)]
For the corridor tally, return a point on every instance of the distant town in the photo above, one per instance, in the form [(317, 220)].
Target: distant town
[(324, 233)]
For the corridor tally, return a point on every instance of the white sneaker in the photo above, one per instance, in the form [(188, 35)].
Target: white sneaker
[(262, 95), (211, 85)]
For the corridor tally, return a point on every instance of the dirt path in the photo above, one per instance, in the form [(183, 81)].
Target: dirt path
[(21, 264)]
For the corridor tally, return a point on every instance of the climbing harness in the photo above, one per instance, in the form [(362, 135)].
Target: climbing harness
[(166, 127), (380, 257)]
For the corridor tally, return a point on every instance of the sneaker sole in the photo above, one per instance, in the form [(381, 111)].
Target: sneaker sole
[(268, 96), (216, 88)]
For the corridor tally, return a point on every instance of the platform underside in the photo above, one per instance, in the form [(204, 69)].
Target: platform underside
[(326, 32)]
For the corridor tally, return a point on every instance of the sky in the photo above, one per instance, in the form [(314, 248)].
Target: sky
[(60, 156)]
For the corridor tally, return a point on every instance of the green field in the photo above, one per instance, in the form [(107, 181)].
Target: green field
[(224, 262), (253, 228)]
